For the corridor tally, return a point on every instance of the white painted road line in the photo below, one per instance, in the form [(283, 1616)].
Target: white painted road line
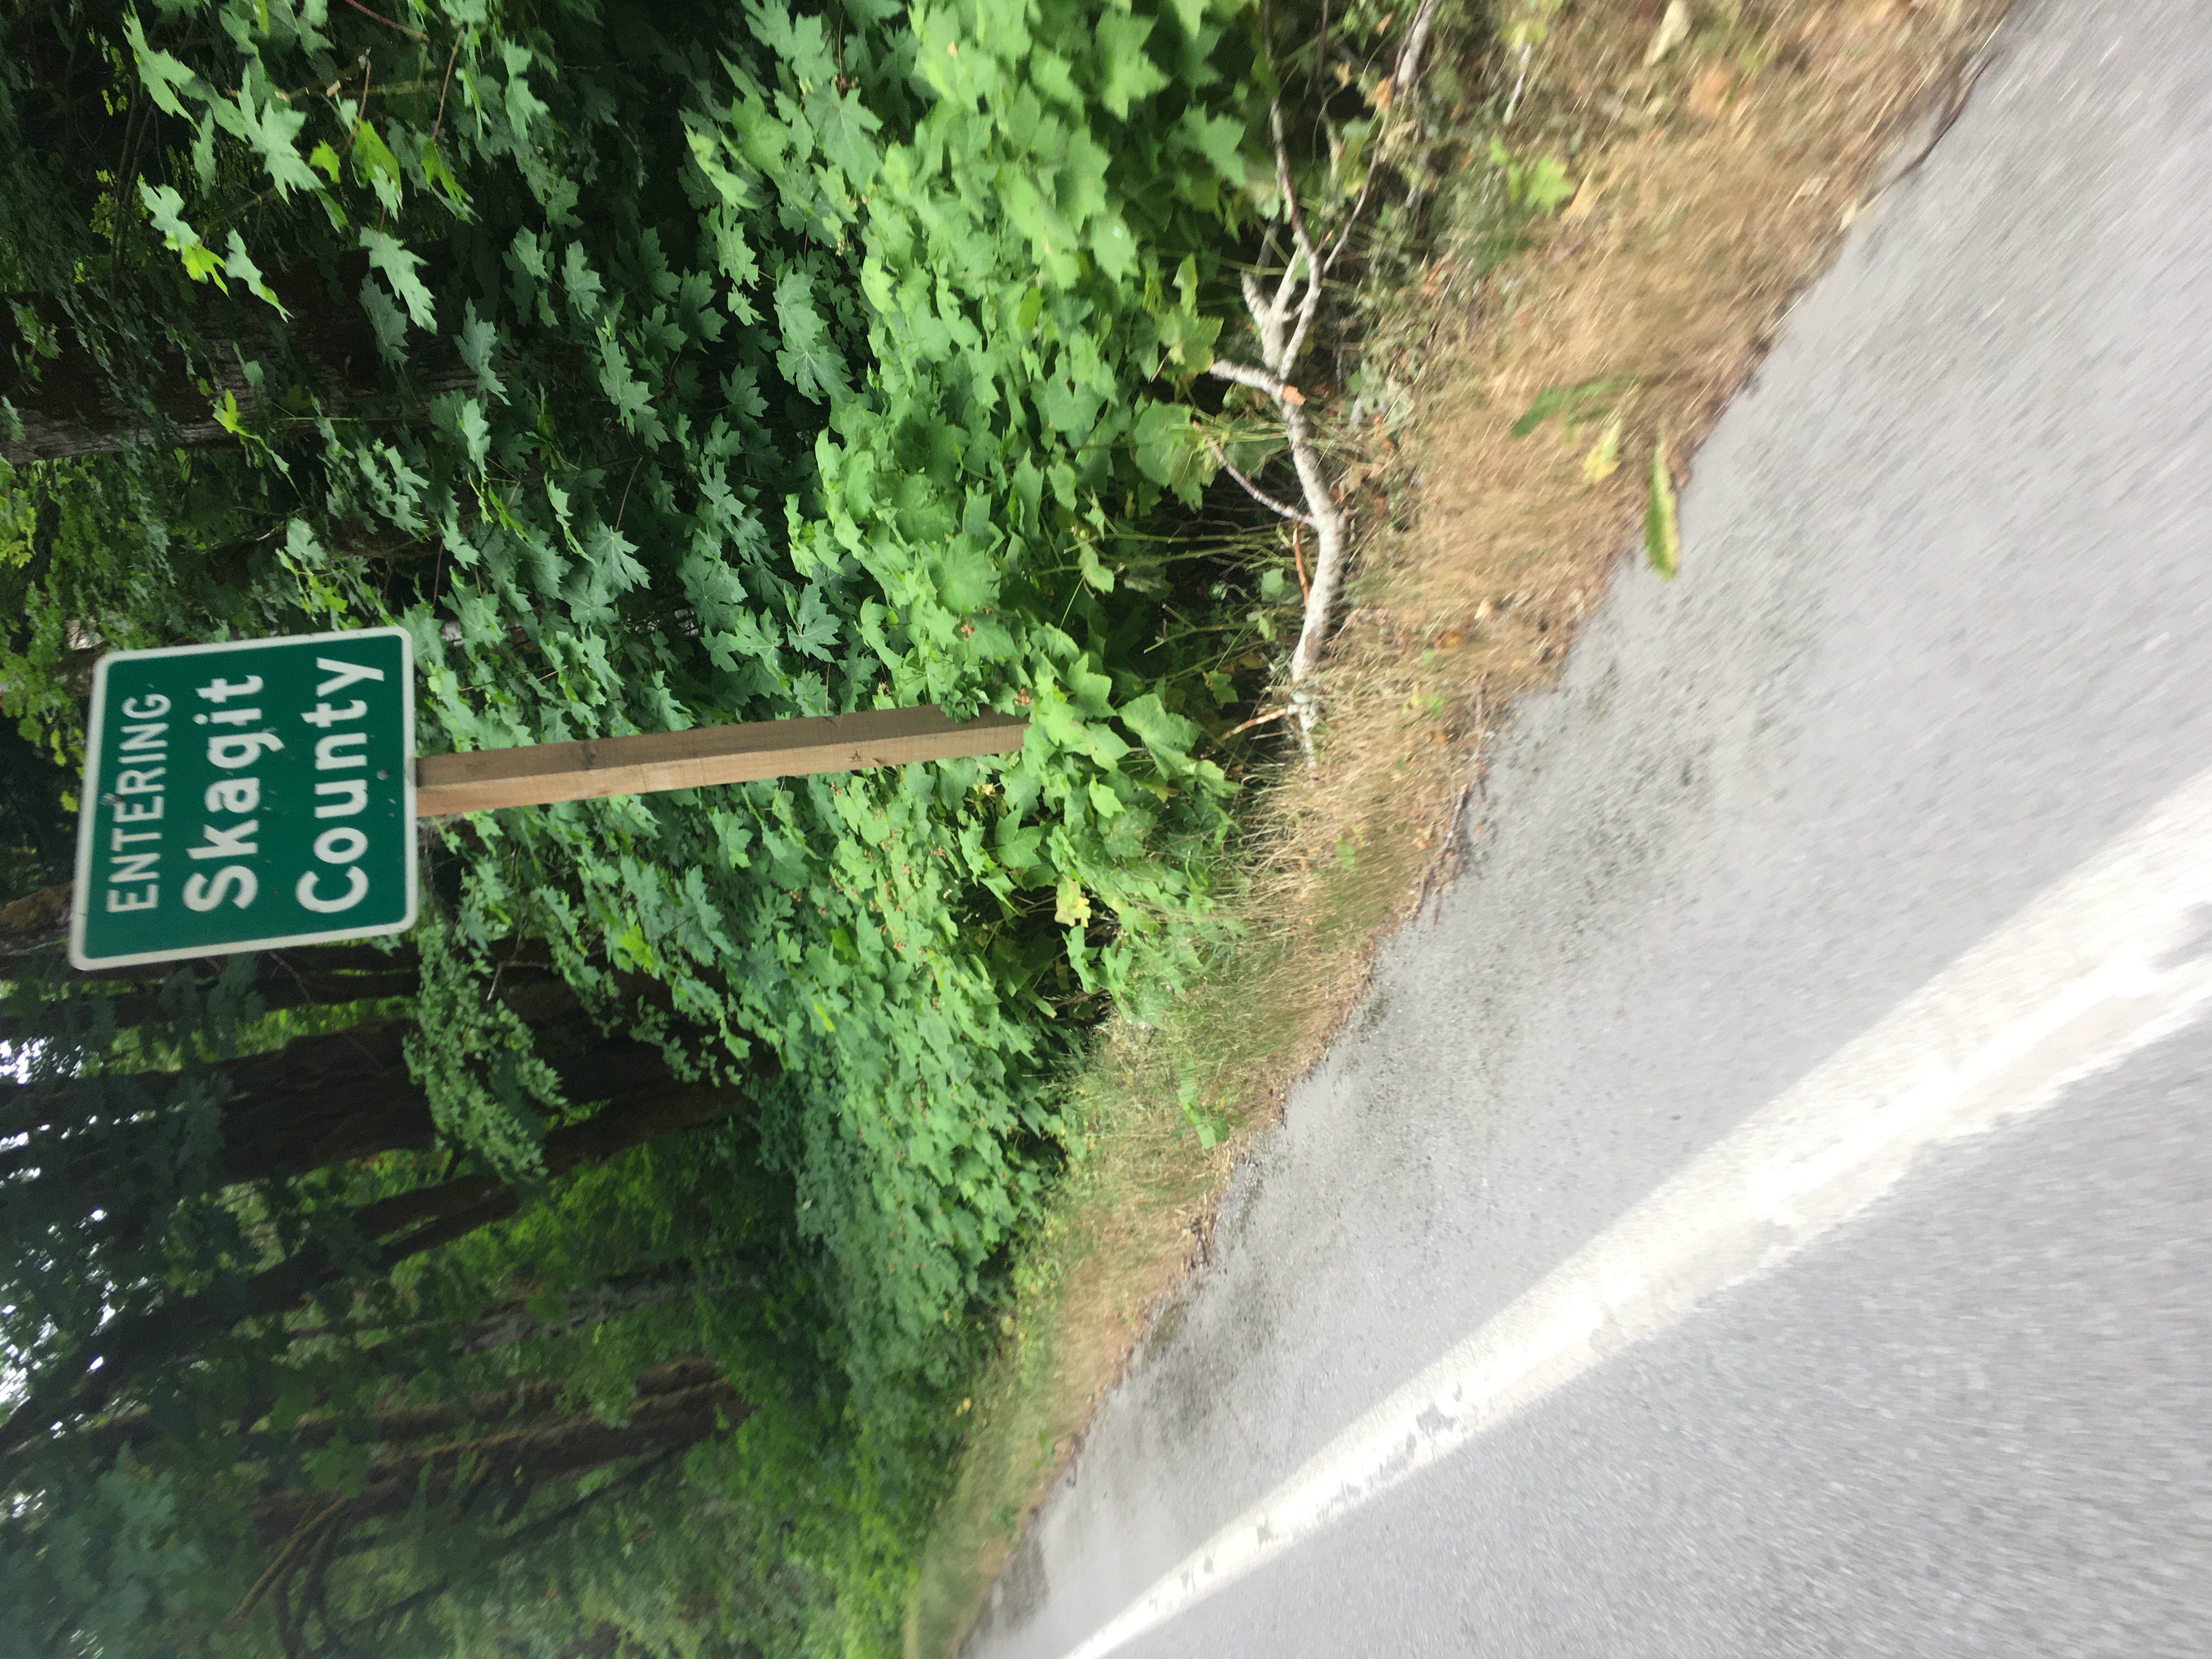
[(2113, 958)]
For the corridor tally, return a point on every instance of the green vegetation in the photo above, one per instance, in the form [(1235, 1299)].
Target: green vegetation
[(598, 1270)]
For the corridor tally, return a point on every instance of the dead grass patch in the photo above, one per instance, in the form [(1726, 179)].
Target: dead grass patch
[(1712, 186)]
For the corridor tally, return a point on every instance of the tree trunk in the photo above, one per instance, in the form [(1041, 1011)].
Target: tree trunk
[(36, 923), (70, 405), (37, 926), (73, 409), (432, 1216), (317, 1102), (677, 1405), (506, 1325), (317, 977)]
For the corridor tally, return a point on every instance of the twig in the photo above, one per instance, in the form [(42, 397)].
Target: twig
[(1311, 305), (1403, 74), (1408, 69), (439, 125), (627, 482), (1295, 216), (361, 110), (1258, 719), (1520, 83), (272, 1579), (1280, 342), (386, 22), (1437, 879), (1260, 495)]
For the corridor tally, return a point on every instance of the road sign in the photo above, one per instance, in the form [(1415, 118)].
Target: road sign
[(245, 796), (261, 793)]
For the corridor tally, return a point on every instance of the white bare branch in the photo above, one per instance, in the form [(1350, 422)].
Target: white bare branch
[(1310, 304), (1280, 343), (1408, 70), (1265, 320), (1243, 375), (1254, 491), (1330, 540)]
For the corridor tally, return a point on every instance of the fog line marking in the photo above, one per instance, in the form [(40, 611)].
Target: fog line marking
[(2114, 958)]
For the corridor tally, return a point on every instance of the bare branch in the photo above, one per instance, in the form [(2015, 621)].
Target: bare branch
[(1258, 719), (1403, 76), (1408, 69), (1308, 309), (1258, 379), (1329, 546), (1265, 318), (1254, 491), (1291, 211), (1282, 360)]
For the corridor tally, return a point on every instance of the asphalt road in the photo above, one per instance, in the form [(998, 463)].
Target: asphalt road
[(1770, 1212)]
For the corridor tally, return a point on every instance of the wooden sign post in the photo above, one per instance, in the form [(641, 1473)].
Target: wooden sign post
[(546, 772), (262, 793)]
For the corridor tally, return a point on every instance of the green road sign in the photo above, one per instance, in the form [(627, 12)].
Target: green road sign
[(244, 796)]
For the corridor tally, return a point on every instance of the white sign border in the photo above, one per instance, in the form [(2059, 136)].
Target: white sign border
[(88, 805)]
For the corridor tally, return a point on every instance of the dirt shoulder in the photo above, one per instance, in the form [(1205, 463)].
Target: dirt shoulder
[(1712, 182)]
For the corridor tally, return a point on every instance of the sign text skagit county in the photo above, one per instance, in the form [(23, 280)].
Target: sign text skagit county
[(247, 796)]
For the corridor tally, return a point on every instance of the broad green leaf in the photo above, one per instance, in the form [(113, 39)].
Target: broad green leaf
[(463, 418), (1187, 341), (1125, 73), (967, 577), (844, 126), (1072, 905), (439, 175), (477, 343), (1218, 138), (1575, 403), (1164, 441), (631, 396), (163, 208), (398, 267), (813, 627), (1190, 14), (274, 137), (379, 166), (161, 73), (1168, 736), (1662, 534), (583, 283), (808, 358), (386, 319), (240, 264), (1113, 247), (1603, 460), (1052, 76), (1547, 187)]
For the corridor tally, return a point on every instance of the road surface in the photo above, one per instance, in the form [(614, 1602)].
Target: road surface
[(1770, 1212)]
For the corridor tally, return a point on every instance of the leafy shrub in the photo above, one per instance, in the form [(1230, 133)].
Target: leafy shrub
[(696, 365)]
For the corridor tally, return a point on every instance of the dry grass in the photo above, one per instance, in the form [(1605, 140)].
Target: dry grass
[(1712, 186)]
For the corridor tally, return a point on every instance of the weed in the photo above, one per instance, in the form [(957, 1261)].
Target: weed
[(1211, 1123)]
